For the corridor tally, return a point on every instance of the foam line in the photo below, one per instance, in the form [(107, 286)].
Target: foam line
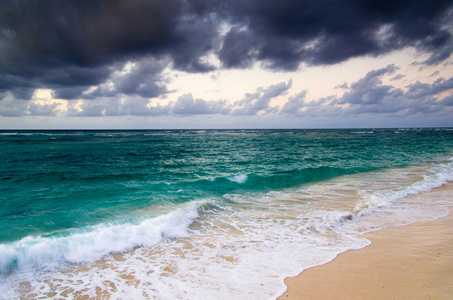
[(96, 242)]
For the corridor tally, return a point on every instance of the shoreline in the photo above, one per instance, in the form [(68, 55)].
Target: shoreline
[(414, 261)]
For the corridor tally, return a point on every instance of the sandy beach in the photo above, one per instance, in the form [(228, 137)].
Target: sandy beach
[(408, 262)]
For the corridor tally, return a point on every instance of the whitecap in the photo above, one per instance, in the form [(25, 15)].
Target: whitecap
[(241, 178)]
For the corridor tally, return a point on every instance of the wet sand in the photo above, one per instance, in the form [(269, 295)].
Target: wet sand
[(408, 262)]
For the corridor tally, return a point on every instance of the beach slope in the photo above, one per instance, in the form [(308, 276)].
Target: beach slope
[(408, 262)]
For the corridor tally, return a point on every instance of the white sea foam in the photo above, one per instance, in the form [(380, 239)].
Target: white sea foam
[(241, 178), (239, 252), (439, 175), (96, 242), (8, 133)]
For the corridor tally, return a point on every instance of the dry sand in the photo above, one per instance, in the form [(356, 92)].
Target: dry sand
[(408, 262)]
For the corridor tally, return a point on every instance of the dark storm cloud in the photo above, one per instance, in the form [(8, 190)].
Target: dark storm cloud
[(193, 39), (141, 78), (70, 46), (238, 49), (56, 33), (286, 32)]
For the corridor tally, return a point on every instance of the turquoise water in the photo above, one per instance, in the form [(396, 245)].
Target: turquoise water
[(109, 192)]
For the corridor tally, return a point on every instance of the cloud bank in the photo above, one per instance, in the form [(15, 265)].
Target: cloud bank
[(362, 100), (71, 46)]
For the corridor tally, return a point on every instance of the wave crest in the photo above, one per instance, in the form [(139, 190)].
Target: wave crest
[(96, 242)]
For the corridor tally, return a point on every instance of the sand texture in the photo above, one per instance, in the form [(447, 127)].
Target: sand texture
[(408, 262)]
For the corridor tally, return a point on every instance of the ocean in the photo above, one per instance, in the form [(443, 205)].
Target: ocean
[(203, 214)]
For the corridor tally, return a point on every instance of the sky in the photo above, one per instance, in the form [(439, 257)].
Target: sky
[(225, 64)]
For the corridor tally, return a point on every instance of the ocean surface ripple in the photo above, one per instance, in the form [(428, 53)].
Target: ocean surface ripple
[(203, 213)]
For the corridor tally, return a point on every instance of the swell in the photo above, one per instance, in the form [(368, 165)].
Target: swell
[(271, 181)]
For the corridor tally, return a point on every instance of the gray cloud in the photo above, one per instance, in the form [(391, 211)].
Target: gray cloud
[(398, 77), (448, 101), (368, 90), (130, 106), (259, 101), (435, 73), (425, 92), (366, 98), (35, 109), (11, 107), (144, 78), (342, 86), (186, 105), (295, 103), (370, 96), (137, 106)]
